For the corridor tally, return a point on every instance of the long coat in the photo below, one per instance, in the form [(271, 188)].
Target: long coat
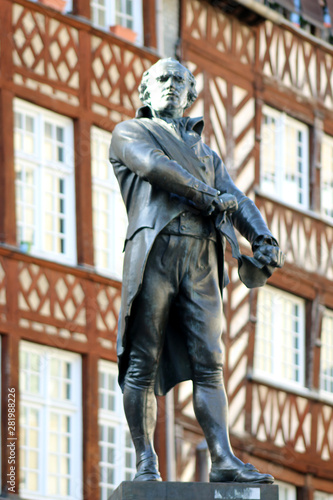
[(156, 189)]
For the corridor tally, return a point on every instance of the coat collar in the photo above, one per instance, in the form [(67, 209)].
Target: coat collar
[(195, 124)]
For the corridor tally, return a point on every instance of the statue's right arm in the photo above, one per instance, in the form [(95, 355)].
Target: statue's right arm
[(133, 146)]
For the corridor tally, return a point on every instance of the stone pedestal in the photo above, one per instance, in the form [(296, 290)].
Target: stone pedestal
[(129, 490)]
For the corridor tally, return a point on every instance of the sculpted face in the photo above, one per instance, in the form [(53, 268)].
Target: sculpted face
[(168, 88)]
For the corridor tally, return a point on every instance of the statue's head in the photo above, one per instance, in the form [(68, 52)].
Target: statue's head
[(168, 87)]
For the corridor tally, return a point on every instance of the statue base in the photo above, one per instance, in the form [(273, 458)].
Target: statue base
[(151, 490)]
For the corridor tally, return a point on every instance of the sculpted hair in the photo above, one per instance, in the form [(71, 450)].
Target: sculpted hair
[(143, 88)]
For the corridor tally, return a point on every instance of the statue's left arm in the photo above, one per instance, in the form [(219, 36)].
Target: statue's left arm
[(248, 220)]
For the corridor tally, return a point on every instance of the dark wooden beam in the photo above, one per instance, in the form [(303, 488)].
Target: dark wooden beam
[(85, 250), (10, 386), (91, 452), (82, 132), (160, 437), (237, 9), (81, 8), (7, 174), (149, 24)]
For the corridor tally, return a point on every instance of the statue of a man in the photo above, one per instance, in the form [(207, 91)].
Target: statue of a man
[(181, 205)]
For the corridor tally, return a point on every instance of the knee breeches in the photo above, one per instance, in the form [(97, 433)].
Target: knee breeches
[(181, 278)]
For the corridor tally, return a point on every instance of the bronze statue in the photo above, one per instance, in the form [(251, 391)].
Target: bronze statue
[(182, 206)]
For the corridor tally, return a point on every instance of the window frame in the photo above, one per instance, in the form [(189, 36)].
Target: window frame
[(276, 356), (45, 406), (41, 167), (283, 120)]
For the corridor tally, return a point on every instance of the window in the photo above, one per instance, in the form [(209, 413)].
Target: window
[(280, 336), (127, 13), (327, 176), (286, 491), (320, 495), (44, 169), (326, 353), (109, 213), (117, 452), (284, 158), (50, 423)]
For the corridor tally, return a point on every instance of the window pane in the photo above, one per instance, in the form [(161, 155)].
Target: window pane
[(24, 133), (26, 201), (48, 130), (55, 213)]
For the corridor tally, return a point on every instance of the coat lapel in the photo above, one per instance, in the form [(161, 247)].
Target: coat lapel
[(175, 148)]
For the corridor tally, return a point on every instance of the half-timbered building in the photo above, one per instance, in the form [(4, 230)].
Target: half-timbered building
[(69, 71)]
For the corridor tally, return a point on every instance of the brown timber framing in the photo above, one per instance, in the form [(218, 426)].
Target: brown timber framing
[(9, 380), (91, 451), (83, 179), (57, 105), (314, 286), (92, 348), (7, 175), (10, 376), (291, 278), (149, 23)]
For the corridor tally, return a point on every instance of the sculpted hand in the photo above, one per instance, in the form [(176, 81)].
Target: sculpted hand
[(270, 255), (225, 203)]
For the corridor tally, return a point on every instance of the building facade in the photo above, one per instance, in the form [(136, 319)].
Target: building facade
[(69, 72)]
